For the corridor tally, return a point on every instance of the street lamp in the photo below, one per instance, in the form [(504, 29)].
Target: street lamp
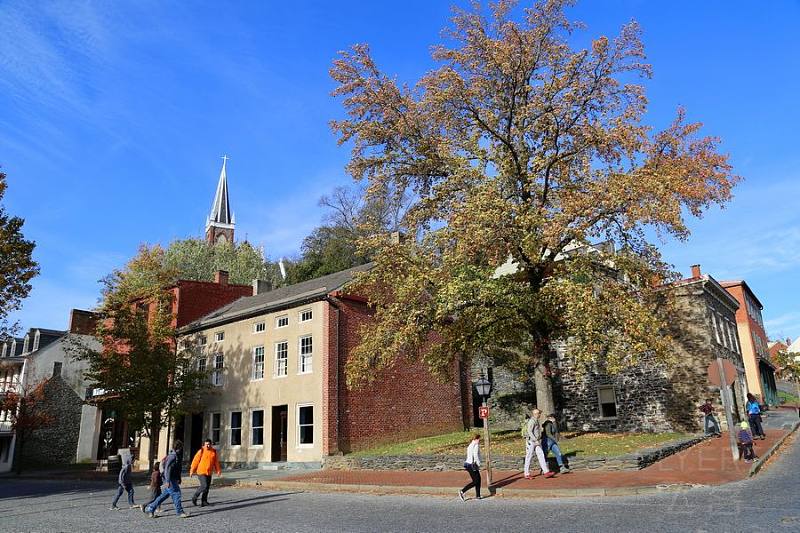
[(484, 388)]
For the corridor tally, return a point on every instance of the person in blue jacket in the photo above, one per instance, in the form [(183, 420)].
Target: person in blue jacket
[(754, 415)]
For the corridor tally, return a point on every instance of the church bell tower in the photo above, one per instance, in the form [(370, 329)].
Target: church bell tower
[(221, 222)]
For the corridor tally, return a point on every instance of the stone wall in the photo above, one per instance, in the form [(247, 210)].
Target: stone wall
[(56, 444), (512, 397), (440, 463)]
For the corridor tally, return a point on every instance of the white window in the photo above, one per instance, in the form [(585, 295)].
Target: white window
[(36, 340), (257, 428), (236, 428), (607, 399), (202, 340), (201, 363), (306, 351), (219, 336), (282, 321), (259, 327), (306, 315), (305, 426), (258, 362), (715, 326), (216, 423), (219, 365), (25, 344), (281, 358)]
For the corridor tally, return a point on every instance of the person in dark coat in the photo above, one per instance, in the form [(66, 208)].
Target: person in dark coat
[(550, 438), (172, 476), (125, 484)]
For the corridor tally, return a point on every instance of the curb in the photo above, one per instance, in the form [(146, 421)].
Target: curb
[(762, 460), (388, 490)]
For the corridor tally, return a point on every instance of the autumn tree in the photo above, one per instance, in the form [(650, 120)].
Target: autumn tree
[(788, 364), (25, 407), (17, 267), (520, 148), (144, 376)]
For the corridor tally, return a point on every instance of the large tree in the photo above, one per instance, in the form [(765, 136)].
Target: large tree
[(195, 259), (17, 267), (521, 148), (145, 378)]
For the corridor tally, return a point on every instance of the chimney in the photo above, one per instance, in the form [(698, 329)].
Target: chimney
[(82, 322), (261, 286), (696, 271), (397, 237), (221, 277)]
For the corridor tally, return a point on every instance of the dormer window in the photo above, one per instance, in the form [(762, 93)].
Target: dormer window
[(36, 340), (13, 348), (25, 344), (3, 350)]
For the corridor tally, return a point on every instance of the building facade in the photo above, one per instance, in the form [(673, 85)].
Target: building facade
[(755, 343), (277, 367)]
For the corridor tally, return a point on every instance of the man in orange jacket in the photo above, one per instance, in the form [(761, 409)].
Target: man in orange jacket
[(205, 460)]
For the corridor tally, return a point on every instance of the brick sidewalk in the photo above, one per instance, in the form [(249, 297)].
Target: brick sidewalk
[(708, 463)]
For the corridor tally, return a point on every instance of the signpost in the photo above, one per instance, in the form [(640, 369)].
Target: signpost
[(483, 412), (722, 373)]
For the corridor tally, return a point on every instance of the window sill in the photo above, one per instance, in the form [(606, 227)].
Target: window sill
[(281, 377)]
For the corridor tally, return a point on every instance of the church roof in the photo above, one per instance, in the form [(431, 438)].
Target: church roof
[(221, 208)]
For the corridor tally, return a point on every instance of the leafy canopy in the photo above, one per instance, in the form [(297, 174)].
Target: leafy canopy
[(520, 147), (17, 267)]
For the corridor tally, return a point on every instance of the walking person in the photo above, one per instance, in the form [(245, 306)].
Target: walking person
[(156, 480), (472, 464), (172, 475), (125, 484), (745, 441), (205, 460), (754, 415), (710, 422), (550, 438), (533, 444)]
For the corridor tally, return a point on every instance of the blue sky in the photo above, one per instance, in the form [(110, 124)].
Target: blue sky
[(114, 115)]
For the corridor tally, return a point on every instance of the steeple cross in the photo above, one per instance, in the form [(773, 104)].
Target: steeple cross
[(225, 159)]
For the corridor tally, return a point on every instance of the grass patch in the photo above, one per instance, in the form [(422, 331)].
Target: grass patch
[(787, 397), (509, 442)]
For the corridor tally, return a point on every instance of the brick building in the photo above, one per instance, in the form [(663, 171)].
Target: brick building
[(754, 341), (277, 366)]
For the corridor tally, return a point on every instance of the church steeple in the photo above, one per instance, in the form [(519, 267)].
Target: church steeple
[(221, 222)]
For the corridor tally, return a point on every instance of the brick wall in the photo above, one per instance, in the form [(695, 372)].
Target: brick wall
[(404, 402), (195, 299)]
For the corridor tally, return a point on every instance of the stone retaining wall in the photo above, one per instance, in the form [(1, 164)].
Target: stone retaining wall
[(439, 463)]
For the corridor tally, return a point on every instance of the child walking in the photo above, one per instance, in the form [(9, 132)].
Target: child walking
[(745, 440), (125, 484), (156, 480), (472, 464)]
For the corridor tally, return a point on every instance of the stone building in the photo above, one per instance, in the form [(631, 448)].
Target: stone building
[(277, 366), (655, 396)]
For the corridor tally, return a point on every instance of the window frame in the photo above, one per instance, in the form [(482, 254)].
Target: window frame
[(217, 374), (276, 366), (278, 321), (300, 361), (218, 429), (261, 323), (219, 336), (253, 427), (253, 374), (202, 363), (600, 402), (298, 426), (202, 340), (232, 428), (303, 312)]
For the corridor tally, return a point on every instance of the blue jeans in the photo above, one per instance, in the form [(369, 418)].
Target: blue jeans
[(551, 445), (711, 425), (174, 490), (120, 490)]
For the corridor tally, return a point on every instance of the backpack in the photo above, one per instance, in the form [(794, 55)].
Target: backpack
[(523, 429), (163, 465)]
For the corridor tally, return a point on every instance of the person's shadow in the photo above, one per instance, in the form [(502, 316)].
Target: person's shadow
[(230, 505)]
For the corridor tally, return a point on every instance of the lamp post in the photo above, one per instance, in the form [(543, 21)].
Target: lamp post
[(484, 388)]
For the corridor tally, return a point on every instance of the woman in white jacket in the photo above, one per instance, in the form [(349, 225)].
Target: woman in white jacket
[(472, 464)]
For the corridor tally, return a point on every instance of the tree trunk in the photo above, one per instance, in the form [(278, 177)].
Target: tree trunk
[(18, 454), (152, 452), (544, 389)]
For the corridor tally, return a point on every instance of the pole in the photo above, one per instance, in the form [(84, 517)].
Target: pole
[(727, 405), (488, 454)]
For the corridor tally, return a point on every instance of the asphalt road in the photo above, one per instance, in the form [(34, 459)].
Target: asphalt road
[(768, 502)]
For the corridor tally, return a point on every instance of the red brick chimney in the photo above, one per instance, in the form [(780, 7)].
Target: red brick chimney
[(221, 277), (696, 271), (82, 322)]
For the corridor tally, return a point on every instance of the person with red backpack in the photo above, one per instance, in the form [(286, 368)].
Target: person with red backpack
[(205, 460)]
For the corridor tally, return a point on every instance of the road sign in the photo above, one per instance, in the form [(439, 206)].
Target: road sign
[(483, 411), (714, 373)]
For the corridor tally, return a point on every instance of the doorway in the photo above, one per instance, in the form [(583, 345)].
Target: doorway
[(279, 432), (196, 438)]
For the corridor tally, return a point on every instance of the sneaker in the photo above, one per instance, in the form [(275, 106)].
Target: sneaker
[(151, 515), (748, 460), (565, 470), (478, 497), (528, 476), (183, 515), (461, 495), (549, 474), (143, 507), (194, 502), (113, 508), (134, 507)]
